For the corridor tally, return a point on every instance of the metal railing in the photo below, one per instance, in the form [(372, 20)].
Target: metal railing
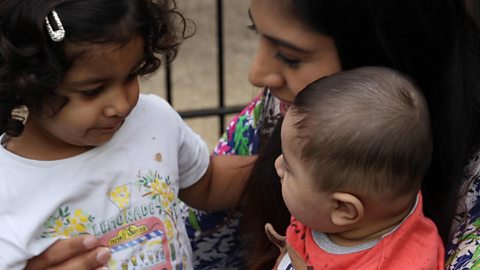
[(221, 110)]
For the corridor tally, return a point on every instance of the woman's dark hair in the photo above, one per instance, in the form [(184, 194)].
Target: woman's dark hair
[(32, 65), (436, 43), (263, 203)]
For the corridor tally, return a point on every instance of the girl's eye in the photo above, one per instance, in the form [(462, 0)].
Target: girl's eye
[(291, 63), (92, 93), (132, 77)]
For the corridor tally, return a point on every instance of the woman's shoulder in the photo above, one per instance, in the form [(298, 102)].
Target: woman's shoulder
[(240, 136)]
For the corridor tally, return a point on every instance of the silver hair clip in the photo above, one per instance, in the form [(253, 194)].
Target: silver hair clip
[(20, 113), (59, 34)]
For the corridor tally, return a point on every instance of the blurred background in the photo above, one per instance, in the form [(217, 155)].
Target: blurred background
[(195, 71)]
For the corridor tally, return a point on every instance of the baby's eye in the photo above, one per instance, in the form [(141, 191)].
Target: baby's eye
[(291, 63)]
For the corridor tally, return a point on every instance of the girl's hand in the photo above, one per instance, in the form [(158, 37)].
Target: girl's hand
[(79, 253)]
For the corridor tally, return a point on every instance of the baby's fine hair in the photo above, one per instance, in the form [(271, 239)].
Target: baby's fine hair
[(32, 65), (365, 131)]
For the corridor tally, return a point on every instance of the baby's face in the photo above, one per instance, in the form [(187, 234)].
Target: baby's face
[(102, 89), (303, 198)]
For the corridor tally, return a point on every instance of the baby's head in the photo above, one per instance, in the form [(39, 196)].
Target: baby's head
[(35, 61), (360, 136)]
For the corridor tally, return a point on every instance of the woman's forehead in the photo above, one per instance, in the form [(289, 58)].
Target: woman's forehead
[(282, 8), (279, 14)]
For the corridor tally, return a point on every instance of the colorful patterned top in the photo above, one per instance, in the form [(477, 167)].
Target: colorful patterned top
[(214, 236), (464, 250)]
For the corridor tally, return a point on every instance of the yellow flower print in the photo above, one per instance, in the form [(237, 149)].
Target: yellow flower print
[(170, 196), (158, 187), (65, 224), (169, 228), (162, 190), (80, 215), (58, 224)]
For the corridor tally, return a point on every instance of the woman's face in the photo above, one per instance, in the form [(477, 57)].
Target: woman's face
[(289, 55)]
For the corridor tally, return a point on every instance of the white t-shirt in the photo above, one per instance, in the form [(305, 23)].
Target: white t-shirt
[(123, 191)]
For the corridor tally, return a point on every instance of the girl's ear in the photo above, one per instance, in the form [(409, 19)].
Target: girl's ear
[(347, 209)]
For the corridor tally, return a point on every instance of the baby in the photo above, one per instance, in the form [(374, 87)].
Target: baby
[(355, 148)]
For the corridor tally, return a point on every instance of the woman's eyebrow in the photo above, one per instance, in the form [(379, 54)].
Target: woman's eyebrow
[(285, 44), (250, 16), (279, 42)]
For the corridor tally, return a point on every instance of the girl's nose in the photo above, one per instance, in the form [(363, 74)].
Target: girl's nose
[(119, 104), (265, 71)]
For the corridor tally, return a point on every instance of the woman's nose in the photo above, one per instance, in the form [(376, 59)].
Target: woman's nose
[(265, 71)]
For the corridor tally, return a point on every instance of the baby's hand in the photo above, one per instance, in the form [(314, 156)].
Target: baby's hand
[(79, 253)]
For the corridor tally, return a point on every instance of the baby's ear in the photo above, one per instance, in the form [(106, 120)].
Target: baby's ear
[(347, 209)]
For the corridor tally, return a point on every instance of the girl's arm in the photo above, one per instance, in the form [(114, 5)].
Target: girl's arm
[(79, 253), (222, 186)]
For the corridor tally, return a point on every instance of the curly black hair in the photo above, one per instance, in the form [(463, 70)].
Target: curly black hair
[(32, 65)]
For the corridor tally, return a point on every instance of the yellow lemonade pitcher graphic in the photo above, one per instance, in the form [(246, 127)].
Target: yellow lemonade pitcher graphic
[(120, 196)]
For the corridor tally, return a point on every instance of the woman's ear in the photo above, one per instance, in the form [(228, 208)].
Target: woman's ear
[(347, 209)]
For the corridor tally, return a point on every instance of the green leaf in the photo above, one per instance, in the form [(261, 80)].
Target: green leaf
[(192, 218)]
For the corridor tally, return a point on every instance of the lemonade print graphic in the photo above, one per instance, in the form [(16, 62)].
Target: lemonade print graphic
[(142, 245), (141, 233)]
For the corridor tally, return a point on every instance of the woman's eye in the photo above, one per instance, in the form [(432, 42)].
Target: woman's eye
[(253, 28), (291, 63)]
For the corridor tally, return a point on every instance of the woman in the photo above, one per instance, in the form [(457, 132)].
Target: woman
[(432, 41)]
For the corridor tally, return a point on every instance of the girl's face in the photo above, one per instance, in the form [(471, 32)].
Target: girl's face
[(289, 55), (102, 88)]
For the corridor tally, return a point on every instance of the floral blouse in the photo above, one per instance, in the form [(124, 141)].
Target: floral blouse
[(464, 250), (214, 236)]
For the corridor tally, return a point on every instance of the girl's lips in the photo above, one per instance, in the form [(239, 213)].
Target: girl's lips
[(112, 128)]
